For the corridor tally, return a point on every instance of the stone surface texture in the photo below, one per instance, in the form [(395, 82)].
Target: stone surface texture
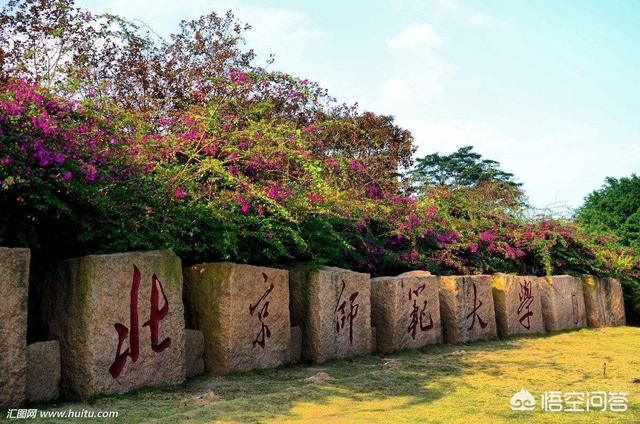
[(405, 311), (466, 308), (603, 301), (194, 352), (243, 313), (14, 291), (119, 319), (295, 345), (332, 306), (563, 305), (43, 371), (517, 303)]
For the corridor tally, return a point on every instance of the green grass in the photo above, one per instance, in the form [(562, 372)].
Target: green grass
[(462, 383)]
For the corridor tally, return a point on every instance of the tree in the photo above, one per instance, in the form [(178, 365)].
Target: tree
[(614, 208), (471, 177), (461, 168)]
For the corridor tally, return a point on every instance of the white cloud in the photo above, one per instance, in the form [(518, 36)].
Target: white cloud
[(424, 80), (416, 35), (452, 9)]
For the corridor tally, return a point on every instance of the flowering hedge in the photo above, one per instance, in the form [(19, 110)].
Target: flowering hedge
[(213, 184), (170, 146)]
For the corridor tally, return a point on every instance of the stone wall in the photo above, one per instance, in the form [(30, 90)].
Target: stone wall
[(119, 320)]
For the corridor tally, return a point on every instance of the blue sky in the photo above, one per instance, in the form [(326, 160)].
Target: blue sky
[(551, 89)]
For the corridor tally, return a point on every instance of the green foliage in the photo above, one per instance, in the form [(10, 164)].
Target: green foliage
[(615, 208), (461, 168), (186, 145)]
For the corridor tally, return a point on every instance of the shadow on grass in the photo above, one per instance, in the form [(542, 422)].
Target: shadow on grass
[(376, 383), (408, 377)]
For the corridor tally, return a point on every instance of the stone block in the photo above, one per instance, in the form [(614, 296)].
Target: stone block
[(405, 311), (563, 305), (14, 291), (466, 308), (517, 303), (603, 301), (243, 313), (332, 305), (119, 319), (43, 371)]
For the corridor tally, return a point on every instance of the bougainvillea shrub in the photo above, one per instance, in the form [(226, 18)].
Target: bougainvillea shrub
[(168, 145)]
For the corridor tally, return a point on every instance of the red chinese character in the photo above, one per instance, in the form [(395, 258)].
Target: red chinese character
[(264, 333), (157, 315), (526, 298), (476, 305), (418, 315), (353, 312)]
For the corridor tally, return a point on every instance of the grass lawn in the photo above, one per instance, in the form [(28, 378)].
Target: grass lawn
[(462, 383)]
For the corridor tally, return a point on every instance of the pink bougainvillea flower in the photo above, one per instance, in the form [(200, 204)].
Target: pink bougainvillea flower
[(59, 158), (355, 165), (487, 236), (180, 193), (90, 172)]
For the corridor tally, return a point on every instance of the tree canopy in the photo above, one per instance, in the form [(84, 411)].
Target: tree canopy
[(464, 167), (615, 207)]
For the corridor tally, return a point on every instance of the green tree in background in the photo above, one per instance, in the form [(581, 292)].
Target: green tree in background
[(461, 168), (471, 175), (614, 208)]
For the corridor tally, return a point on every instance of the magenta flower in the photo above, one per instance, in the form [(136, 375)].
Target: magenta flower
[(90, 172), (487, 236), (59, 158), (180, 193), (67, 175), (355, 165)]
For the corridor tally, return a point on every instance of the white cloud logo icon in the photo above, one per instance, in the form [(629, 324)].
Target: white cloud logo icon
[(523, 401)]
